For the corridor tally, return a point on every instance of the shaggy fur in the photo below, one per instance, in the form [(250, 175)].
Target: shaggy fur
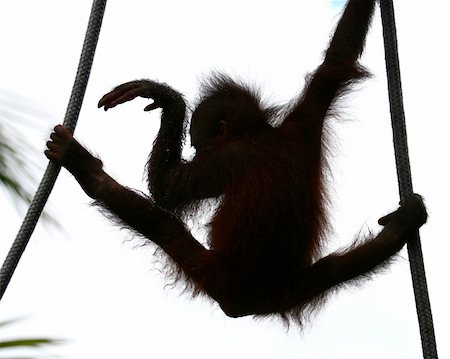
[(264, 250)]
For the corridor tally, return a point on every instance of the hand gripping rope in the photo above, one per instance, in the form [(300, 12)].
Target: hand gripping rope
[(52, 171), (404, 177)]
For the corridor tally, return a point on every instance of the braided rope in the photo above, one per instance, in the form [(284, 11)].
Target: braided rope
[(404, 177), (52, 171)]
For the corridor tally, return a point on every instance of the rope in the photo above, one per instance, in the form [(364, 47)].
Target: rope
[(52, 171), (404, 177)]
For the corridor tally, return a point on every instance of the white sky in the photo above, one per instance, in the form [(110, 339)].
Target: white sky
[(102, 294)]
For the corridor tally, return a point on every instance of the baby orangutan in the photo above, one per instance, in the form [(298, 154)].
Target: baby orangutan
[(263, 252)]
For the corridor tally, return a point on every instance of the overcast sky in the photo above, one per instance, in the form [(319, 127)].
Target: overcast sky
[(89, 285)]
